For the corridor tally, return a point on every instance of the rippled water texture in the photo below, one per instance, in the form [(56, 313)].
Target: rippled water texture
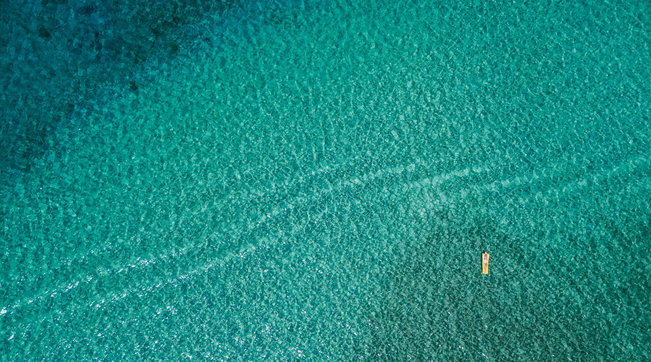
[(276, 180)]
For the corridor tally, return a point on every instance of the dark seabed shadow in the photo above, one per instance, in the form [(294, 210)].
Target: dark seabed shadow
[(61, 54)]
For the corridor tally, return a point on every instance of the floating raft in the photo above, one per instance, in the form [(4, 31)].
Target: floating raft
[(484, 263)]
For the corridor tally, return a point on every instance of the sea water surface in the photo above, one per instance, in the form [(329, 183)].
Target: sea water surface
[(317, 180)]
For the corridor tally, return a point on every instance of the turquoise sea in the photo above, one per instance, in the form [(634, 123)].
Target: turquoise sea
[(317, 180)]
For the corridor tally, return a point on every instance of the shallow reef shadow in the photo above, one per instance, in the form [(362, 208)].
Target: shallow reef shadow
[(439, 305)]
